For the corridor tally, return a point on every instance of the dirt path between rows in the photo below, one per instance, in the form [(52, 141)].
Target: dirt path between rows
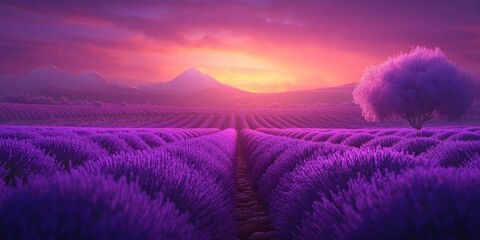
[(252, 215)]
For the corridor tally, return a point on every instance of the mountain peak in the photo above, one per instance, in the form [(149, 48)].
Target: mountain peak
[(46, 68), (51, 77), (53, 67), (194, 77), (192, 80), (192, 73), (49, 71), (192, 69)]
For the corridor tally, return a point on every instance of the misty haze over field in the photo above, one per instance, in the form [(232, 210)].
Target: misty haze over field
[(239, 119)]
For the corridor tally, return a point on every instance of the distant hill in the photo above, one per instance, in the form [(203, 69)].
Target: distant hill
[(189, 82), (190, 88), (331, 95), (52, 77)]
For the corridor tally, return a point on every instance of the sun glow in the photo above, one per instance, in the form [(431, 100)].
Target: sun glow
[(259, 46), (245, 71)]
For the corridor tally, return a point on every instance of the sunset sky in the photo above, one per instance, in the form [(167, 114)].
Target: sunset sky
[(255, 45)]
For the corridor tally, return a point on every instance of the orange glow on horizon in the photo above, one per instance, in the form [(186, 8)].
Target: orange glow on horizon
[(258, 46), (290, 68), (242, 70)]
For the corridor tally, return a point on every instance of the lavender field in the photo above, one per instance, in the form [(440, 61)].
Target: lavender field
[(367, 184), (91, 183), (207, 174), (239, 120), (151, 116)]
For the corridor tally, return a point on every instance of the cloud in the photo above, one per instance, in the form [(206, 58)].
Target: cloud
[(296, 36)]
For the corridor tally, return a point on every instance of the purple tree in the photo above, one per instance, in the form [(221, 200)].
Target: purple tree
[(416, 86)]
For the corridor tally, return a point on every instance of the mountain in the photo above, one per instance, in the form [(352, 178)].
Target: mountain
[(191, 88), (51, 77), (191, 81)]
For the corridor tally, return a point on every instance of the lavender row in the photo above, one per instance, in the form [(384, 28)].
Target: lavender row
[(448, 146), (411, 141), (343, 135), (160, 193), (12, 111), (51, 149), (421, 203), (307, 186), (109, 115), (165, 134), (85, 206)]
